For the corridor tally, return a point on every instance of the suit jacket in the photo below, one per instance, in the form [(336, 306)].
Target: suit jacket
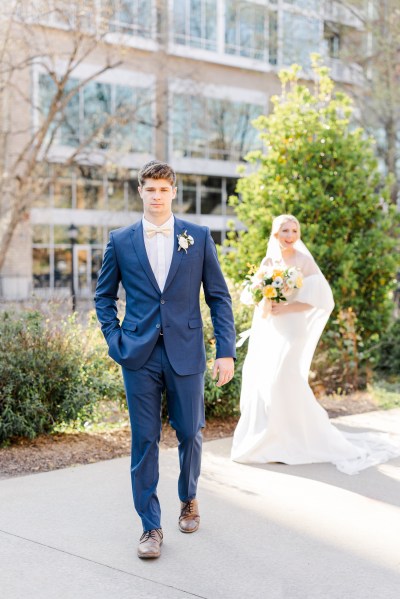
[(175, 311)]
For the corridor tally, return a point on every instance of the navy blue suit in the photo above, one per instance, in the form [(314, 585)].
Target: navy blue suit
[(174, 360)]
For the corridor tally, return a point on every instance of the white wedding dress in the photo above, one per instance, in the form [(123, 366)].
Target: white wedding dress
[(281, 421)]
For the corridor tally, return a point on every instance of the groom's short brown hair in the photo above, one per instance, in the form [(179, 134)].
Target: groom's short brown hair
[(156, 170)]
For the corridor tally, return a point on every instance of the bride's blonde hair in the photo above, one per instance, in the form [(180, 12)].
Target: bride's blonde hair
[(281, 220)]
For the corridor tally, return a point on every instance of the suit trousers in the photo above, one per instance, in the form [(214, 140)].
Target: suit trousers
[(185, 401)]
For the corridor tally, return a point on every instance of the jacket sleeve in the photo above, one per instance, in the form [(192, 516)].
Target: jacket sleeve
[(106, 292), (219, 301)]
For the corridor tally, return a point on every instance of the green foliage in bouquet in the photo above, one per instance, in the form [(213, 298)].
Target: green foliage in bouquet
[(318, 166)]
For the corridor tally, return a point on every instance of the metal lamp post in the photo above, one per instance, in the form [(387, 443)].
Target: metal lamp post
[(73, 234)]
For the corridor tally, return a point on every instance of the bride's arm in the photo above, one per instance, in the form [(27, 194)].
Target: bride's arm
[(286, 308), (308, 268)]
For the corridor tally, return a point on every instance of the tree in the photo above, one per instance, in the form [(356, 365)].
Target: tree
[(318, 167), (56, 38), (378, 98)]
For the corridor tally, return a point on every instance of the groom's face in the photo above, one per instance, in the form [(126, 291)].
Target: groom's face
[(157, 196)]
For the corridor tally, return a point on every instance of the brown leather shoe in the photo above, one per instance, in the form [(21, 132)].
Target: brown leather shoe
[(150, 543), (189, 520)]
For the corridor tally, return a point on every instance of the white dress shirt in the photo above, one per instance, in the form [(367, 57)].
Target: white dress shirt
[(159, 250)]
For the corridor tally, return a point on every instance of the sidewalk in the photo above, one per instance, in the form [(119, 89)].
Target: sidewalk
[(273, 532)]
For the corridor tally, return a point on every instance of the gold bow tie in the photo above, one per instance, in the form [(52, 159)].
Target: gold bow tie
[(151, 231)]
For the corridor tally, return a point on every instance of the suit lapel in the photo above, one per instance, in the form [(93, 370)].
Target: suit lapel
[(140, 249), (176, 256)]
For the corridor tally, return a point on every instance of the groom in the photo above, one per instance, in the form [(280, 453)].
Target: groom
[(162, 262)]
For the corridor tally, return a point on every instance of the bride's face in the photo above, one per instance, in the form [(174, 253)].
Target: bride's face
[(288, 234)]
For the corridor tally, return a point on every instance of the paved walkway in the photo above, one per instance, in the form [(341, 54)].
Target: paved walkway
[(273, 532)]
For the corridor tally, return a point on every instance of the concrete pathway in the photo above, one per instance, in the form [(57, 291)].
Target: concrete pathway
[(273, 532)]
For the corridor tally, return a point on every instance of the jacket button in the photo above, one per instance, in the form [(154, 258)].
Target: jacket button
[(163, 301), (157, 326)]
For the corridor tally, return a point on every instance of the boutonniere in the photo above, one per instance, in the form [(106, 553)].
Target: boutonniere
[(184, 241)]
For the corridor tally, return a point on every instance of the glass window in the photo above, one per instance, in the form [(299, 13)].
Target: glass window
[(142, 122), (125, 123), (211, 197), (43, 200), (213, 128), (217, 236), (69, 129), (230, 191), (89, 188), (89, 234), (134, 200), (332, 41), (301, 36), (195, 23), (116, 195), (305, 4), (132, 17), (187, 194), (62, 267), (273, 38), (41, 267), (231, 134), (97, 109), (62, 197), (41, 234), (68, 118), (246, 26), (97, 258), (61, 235)]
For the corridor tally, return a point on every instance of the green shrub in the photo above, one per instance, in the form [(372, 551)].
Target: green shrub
[(319, 167), (51, 374), (389, 351), (222, 402)]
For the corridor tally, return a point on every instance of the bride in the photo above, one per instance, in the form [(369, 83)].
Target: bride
[(281, 421)]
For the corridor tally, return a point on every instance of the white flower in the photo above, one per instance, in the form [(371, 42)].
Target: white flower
[(277, 283), (183, 242), (291, 283)]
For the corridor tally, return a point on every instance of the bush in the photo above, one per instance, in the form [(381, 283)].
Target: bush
[(389, 351), (51, 374), (222, 402), (319, 167)]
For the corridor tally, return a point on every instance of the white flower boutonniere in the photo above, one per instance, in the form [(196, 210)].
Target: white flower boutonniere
[(184, 241)]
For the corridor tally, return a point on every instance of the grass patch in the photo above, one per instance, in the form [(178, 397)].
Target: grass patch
[(386, 393)]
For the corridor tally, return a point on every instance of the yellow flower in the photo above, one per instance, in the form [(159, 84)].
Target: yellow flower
[(269, 292), (299, 282), (277, 273)]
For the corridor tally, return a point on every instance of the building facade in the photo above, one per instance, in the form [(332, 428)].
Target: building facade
[(194, 73)]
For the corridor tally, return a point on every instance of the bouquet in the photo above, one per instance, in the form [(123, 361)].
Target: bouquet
[(271, 284)]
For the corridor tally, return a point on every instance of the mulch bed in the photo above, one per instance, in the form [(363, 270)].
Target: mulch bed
[(59, 450)]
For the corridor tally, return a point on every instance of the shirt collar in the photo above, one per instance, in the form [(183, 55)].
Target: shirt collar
[(148, 225)]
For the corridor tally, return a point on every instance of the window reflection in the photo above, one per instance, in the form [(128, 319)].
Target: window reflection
[(301, 36), (211, 197), (62, 268), (41, 267), (195, 23), (213, 128), (118, 116), (131, 17)]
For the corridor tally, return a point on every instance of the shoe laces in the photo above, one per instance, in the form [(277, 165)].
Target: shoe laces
[(188, 508), (155, 534)]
